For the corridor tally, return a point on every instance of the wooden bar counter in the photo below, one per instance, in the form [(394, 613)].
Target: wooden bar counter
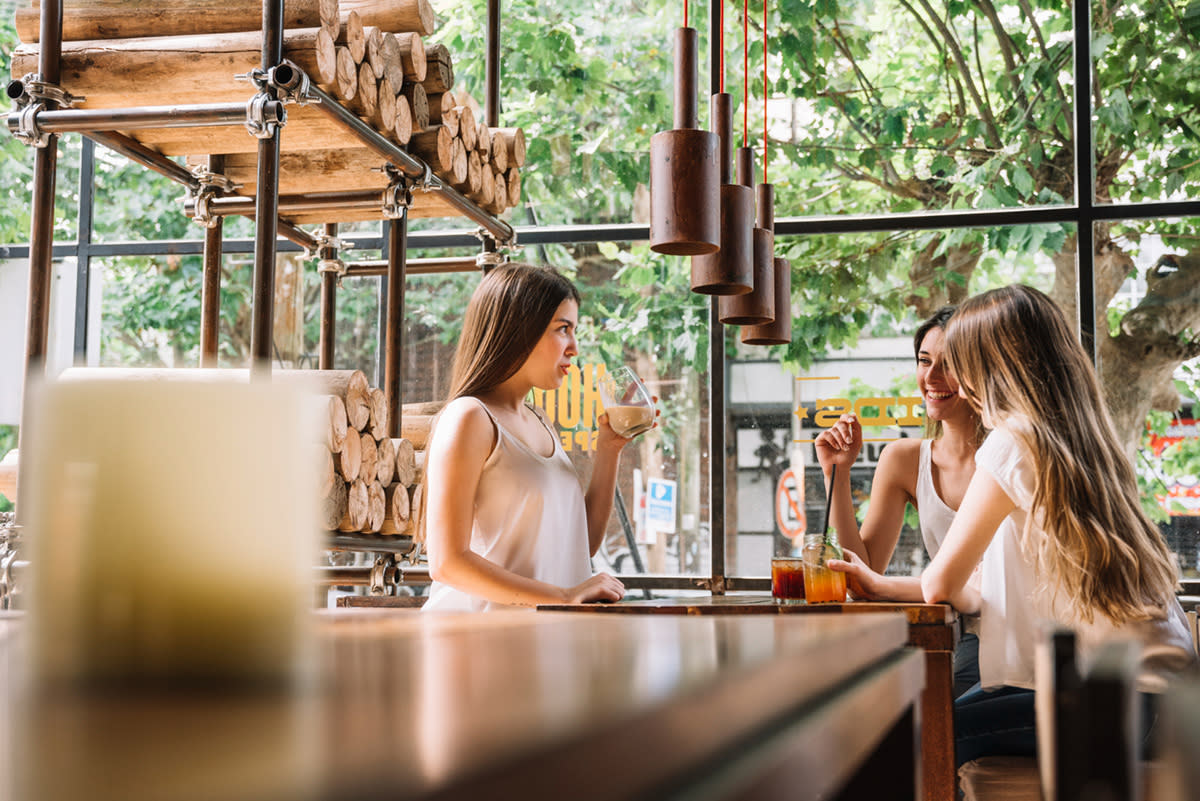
[(402, 704), (932, 627)]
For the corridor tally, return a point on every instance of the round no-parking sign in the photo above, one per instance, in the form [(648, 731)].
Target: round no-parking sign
[(789, 504)]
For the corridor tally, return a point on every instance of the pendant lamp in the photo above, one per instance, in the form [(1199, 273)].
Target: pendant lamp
[(684, 174), (756, 307), (728, 271)]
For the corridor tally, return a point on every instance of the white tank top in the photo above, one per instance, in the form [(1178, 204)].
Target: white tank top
[(935, 515), (530, 518)]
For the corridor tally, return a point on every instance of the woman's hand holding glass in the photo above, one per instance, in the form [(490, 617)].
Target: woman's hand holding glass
[(629, 408), (861, 580)]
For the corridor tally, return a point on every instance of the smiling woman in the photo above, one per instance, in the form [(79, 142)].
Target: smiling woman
[(506, 522), (932, 474)]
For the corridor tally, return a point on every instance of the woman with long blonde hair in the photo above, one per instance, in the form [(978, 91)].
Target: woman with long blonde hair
[(506, 521), (1052, 511)]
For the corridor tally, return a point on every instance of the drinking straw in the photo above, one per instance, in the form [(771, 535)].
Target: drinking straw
[(828, 501)]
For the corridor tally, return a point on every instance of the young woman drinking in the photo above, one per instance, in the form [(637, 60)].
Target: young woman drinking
[(507, 524)]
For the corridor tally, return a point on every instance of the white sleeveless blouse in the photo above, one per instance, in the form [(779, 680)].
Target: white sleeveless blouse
[(530, 519), (933, 512)]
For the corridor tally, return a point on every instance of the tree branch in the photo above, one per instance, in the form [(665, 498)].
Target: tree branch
[(984, 111), (1041, 40)]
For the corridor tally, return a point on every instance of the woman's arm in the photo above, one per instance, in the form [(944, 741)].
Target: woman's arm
[(870, 585), (602, 487), (461, 443), (891, 490), (898, 464), (983, 509)]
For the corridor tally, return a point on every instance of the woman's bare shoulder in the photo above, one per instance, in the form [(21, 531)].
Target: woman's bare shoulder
[(464, 417)]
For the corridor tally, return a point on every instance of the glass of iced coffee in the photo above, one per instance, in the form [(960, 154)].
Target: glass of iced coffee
[(629, 405), (787, 580)]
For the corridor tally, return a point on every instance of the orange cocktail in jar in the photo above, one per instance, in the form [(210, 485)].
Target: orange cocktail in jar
[(822, 585), (787, 579)]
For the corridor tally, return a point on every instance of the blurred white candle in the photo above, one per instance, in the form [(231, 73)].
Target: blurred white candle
[(173, 527)]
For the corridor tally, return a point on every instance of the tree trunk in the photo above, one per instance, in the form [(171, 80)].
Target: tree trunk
[(385, 467), (415, 429), (334, 434), (131, 19), (394, 15), (348, 461), (357, 507), (352, 36), (418, 105), (334, 504), (376, 508), (170, 70), (513, 140), (439, 69), (405, 461), (369, 457)]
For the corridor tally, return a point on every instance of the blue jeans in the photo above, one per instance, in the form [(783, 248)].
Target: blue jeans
[(966, 664), (997, 722), (1002, 722)]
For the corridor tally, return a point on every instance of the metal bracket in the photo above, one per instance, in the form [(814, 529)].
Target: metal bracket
[(488, 259), (34, 89), (35, 96), (324, 240), (212, 185), (336, 266), (255, 76), (291, 83), (397, 197), (264, 116), (26, 129), (383, 574)]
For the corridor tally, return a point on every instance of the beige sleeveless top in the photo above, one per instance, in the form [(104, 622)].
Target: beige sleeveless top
[(530, 518)]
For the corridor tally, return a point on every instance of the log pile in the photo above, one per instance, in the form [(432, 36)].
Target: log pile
[(371, 55), (369, 482)]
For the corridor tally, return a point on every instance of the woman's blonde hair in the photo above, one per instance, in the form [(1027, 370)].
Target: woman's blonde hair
[(506, 316), (1019, 362)]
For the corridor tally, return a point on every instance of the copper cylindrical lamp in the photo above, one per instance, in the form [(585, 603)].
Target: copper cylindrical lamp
[(684, 174), (729, 271), (780, 331), (756, 307)]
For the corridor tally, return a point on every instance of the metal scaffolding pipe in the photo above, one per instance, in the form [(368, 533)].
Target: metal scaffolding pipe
[(492, 66), (151, 159), (393, 372), (329, 280), (433, 266), (266, 211), (210, 292), (41, 231), (85, 120)]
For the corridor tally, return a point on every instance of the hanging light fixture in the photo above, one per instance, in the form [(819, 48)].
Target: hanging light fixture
[(729, 270), (758, 306), (779, 330), (684, 174)]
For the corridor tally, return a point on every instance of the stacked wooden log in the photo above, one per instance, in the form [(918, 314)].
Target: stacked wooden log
[(369, 482), (370, 55)]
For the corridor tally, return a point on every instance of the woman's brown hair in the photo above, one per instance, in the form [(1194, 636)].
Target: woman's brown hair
[(1019, 362), (507, 315)]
